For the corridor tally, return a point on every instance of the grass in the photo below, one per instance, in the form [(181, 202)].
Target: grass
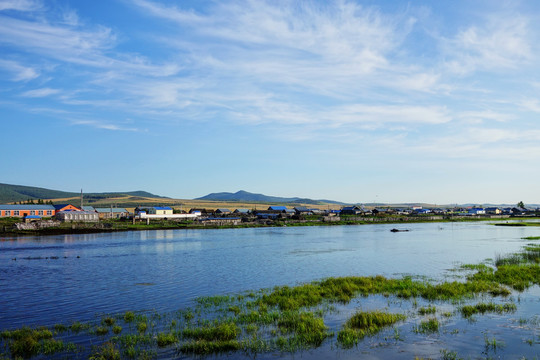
[(427, 310), (362, 324), (427, 326), (481, 308)]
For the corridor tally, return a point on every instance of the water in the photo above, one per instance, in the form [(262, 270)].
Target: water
[(44, 280)]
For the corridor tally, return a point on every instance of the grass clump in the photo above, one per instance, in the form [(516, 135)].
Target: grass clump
[(219, 332), (362, 324), (203, 347), (107, 351), (166, 339), (108, 321), (427, 310), (307, 330), (469, 310), (428, 326), (26, 342), (142, 326), (129, 316)]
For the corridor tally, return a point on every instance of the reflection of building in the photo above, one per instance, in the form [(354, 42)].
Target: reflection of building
[(26, 210)]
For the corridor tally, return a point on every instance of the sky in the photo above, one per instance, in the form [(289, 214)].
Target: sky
[(354, 101)]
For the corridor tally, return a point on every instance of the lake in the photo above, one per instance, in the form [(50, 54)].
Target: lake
[(44, 280)]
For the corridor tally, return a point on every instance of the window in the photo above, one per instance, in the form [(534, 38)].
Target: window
[(15, 212), (49, 212), (32, 212), (40, 212), (7, 213)]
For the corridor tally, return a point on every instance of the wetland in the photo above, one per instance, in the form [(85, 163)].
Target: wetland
[(464, 290)]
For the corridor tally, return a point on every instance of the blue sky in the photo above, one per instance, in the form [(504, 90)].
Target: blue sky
[(357, 101)]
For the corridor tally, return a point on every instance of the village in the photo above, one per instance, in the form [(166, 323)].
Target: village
[(30, 213)]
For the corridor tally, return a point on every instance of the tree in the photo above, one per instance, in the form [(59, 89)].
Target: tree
[(521, 205)]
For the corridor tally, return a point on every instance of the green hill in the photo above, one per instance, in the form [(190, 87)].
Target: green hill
[(11, 193)]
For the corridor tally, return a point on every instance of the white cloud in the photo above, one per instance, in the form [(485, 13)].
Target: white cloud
[(20, 5), (502, 42), (103, 125), (19, 72), (44, 92)]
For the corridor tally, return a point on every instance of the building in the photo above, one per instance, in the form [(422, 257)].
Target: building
[(277, 208), (27, 210), (112, 213), (83, 216), (351, 210), (223, 211), (242, 211), (66, 207), (154, 210)]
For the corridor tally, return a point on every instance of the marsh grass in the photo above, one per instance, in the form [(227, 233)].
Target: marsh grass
[(427, 310), (362, 324), (427, 326), (481, 308)]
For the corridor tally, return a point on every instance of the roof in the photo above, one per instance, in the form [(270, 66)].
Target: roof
[(243, 211), (223, 210), (162, 208), (32, 217), (301, 209), (277, 208), (26, 207), (60, 206), (108, 210), (88, 208)]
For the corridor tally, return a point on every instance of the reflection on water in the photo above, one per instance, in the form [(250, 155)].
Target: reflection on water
[(77, 276)]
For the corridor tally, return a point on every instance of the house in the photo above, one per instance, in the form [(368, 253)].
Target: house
[(66, 207), (223, 211), (351, 210), (242, 211), (154, 210), (493, 211), (112, 213), (277, 208), (422, 211), (302, 210), (200, 211), (83, 216), (26, 210), (88, 208), (267, 215), (476, 211)]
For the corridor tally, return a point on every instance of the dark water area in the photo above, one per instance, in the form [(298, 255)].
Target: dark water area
[(51, 279)]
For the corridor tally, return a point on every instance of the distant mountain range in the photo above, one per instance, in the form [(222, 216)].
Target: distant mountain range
[(11, 193), (244, 196)]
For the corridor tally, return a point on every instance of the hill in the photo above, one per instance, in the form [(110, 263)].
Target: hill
[(244, 196), (11, 193)]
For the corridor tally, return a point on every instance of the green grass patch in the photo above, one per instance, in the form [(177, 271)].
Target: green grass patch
[(482, 308), (428, 326), (362, 324)]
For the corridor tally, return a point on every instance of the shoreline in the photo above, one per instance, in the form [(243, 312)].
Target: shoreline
[(121, 226)]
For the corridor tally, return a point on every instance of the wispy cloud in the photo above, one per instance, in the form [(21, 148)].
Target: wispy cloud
[(503, 41), (44, 92), (20, 5), (19, 72)]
